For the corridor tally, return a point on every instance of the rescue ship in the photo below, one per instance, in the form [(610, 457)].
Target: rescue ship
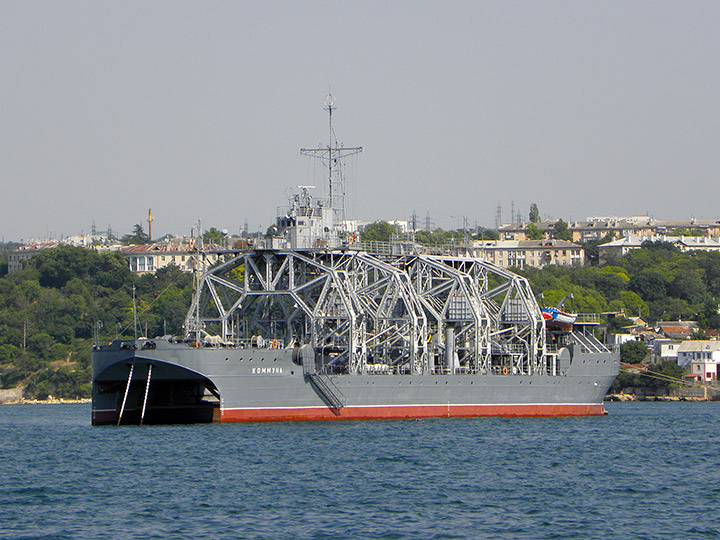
[(312, 325)]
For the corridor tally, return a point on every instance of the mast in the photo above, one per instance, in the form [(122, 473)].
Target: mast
[(198, 280), (134, 313), (333, 154)]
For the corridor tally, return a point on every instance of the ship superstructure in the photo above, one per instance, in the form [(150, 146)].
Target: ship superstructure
[(309, 327), (309, 222)]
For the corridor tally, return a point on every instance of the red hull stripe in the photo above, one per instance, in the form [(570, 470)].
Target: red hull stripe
[(409, 411)]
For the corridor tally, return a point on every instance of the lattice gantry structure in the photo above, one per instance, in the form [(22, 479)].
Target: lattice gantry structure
[(364, 313), (488, 316)]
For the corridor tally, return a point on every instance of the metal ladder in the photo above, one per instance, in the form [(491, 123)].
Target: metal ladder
[(328, 390), (322, 384), (589, 342)]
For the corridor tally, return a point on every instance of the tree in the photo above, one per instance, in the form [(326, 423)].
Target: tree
[(380, 231), (689, 286), (710, 315), (592, 252), (649, 378), (631, 303), (672, 309), (110, 270), (661, 246), (59, 265), (699, 335), (686, 232), (561, 231), (650, 285), (534, 214), (40, 344), (8, 352), (633, 352), (214, 236), (170, 309), (608, 281), (533, 232), (486, 234), (617, 325), (137, 237), (668, 368)]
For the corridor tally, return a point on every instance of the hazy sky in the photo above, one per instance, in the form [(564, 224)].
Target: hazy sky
[(198, 109)]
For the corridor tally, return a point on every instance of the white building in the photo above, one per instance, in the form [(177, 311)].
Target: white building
[(148, 258), (665, 350), (624, 245), (621, 339), (28, 251), (702, 356)]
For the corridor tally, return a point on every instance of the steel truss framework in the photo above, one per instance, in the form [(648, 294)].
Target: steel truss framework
[(374, 314)]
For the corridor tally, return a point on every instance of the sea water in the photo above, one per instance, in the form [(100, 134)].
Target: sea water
[(647, 470)]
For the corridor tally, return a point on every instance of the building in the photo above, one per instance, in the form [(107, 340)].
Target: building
[(622, 246), (703, 371), (595, 228), (620, 339), (148, 258), (702, 356), (530, 253), (676, 330), (142, 259), (698, 349), (33, 247), (26, 252), (664, 350)]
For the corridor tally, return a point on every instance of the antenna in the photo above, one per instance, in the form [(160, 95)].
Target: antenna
[(134, 312), (332, 155), (199, 272)]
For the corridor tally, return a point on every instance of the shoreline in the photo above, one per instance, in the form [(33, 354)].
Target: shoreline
[(53, 401), (632, 397)]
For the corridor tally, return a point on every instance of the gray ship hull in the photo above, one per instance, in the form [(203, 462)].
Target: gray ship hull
[(163, 382)]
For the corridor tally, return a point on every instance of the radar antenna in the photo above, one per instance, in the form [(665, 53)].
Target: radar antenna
[(332, 156)]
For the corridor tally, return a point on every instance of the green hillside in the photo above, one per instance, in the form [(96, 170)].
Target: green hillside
[(51, 310)]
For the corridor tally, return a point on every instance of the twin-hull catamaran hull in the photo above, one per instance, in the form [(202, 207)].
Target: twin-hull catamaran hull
[(177, 383)]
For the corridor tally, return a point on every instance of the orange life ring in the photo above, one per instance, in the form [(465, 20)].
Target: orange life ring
[(504, 370), (274, 344)]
